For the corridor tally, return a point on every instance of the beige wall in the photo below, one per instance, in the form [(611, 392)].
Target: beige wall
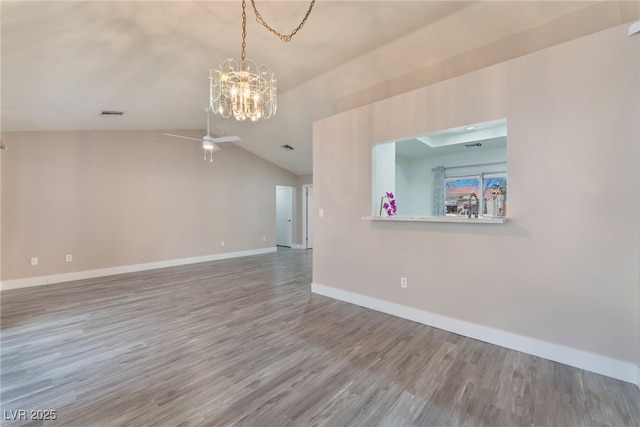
[(1, 155), (564, 269), (124, 198), (595, 17)]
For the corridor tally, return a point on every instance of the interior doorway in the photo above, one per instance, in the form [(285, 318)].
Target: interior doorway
[(307, 216), (284, 215)]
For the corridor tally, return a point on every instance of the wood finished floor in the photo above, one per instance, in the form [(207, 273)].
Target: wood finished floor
[(243, 342)]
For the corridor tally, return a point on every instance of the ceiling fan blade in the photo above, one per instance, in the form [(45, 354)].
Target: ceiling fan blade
[(226, 139), (184, 137)]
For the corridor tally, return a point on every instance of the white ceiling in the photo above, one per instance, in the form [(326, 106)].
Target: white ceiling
[(490, 135), (64, 62), (416, 149)]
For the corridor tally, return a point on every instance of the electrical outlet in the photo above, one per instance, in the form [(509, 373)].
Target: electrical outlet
[(69, 258), (222, 243), (403, 282), (264, 238), (320, 212), (34, 261)]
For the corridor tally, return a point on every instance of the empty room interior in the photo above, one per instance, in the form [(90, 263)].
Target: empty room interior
[(331, 213)]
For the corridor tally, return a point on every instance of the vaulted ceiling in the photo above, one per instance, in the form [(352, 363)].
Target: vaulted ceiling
[(64, 62)]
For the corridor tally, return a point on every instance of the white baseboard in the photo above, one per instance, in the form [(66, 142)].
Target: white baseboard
[(603, 365), (297, 246), (88, 274)]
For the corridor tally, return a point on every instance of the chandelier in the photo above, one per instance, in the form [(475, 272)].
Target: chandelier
[(246, 90)]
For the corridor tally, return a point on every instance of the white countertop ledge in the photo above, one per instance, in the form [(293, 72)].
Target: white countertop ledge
[(448, 219)]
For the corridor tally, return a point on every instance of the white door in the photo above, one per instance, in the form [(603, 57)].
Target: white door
[(284, 215), (309, 217)]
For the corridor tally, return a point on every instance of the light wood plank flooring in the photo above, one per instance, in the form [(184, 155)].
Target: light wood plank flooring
[(243, 342)]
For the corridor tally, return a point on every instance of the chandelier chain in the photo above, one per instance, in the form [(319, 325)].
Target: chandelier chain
[(244, 32), (283, 37)]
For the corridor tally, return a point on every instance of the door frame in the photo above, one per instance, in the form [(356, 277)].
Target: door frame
[(305, 215), (292, 191)]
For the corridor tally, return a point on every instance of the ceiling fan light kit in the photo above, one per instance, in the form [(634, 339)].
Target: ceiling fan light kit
[(246, 90)]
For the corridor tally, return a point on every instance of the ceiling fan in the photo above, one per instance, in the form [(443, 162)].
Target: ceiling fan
[(209, 143)]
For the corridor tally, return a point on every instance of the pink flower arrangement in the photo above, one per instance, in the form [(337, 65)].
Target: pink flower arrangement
[(389, 205)]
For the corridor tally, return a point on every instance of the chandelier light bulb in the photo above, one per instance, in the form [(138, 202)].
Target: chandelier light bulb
[(243, 94)]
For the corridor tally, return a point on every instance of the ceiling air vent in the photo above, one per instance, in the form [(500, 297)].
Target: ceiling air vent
[(111, 113), (474, 145), (287, 147)]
